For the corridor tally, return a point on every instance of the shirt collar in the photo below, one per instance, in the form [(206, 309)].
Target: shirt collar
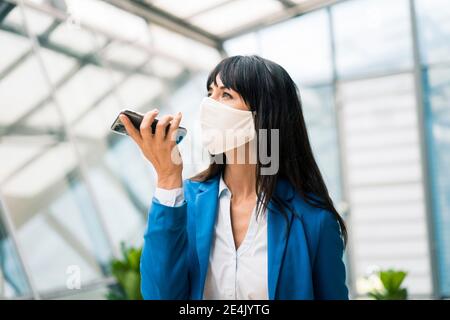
[(222, 186)]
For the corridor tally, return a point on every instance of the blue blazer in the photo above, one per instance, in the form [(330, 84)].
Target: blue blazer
[(306, 264)]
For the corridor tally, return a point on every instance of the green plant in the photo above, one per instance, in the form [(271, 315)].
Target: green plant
[(127, 273), (391, 281)]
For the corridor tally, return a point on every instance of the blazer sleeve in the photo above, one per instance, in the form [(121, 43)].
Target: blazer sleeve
[(164, 265), (329, 269)]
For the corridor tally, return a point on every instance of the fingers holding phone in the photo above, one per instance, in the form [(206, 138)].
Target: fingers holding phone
[(161, 127), (130, 129), (173, 132), (156, 139), (145, 127)]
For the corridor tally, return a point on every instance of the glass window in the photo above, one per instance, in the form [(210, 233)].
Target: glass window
[(107, 17), (139, 91), (120, 177), (185, 9), (433, 19), (163, 67), (73, 207), (13, 47), (383, 170), (15, 104), (235, 14), (81, 93), (13, 282), (126, 162), (307, 58), (80, 40), (57, 65), (122, 211), (37, 21), (437, 86), (318, 109), (372, 36), (123, 53), (54, 217), (45, 117), (191, 53), (96, 124), (244, 45)]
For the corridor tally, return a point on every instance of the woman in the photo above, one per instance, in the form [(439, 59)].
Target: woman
[(235, 231)]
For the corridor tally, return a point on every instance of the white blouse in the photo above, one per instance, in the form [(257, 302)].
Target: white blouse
[(232, 274)]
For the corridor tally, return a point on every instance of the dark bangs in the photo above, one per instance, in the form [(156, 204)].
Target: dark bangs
[(241, 74)]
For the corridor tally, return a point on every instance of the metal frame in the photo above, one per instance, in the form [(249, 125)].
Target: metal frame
[(12, 233), (5, 9), (214, 7), (44, 37), (12, 128), (19, 124), (155, 15), (172, 83), (287, 3), (425, 167), (89, 58), (68, 131), (345, 194), (286, 14), (165, 19), (63, 16)]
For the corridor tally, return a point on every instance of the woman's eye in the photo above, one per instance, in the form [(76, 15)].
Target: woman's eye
[(227, 95), (208, 94)]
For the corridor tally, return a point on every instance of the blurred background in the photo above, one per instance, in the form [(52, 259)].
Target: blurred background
[(374, 77)]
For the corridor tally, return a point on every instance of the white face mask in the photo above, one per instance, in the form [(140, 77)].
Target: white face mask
[(223, 127)]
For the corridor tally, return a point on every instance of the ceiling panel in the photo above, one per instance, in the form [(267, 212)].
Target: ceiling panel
[(126, 54), (14, 156), (78, 39), (163, 67), (16, 96), (139, 90), (46, 117), (12, 47), (97, 123), (81, 92), (302, 1), (57, 65), (192, 53), (37, 21), (109, 19), (43, 172), (184, 9), (235, 14)]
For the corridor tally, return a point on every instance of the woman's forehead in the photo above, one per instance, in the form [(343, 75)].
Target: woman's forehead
[(219, 81)]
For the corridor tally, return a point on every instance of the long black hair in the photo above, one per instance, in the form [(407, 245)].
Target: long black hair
[(270, 92)]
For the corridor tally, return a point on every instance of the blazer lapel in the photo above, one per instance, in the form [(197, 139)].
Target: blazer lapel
[(206, 202), (205, 217), (277, 236)]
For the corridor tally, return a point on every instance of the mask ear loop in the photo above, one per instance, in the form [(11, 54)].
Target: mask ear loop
[(254, 116)]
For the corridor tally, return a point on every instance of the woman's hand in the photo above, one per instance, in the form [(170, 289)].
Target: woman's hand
[(160, 149)]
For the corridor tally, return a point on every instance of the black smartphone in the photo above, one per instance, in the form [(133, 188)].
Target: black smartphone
[(136, 119)]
